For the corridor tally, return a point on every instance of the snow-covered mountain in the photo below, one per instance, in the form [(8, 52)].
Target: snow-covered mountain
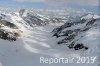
[(73, 33), (23, 19), (25, 36)]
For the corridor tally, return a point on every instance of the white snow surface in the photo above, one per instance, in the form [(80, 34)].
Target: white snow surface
[(38, 42)]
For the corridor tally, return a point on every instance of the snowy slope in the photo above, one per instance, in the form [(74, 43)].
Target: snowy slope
[(72, 32), (37, 41), (27, 50), (86, 31)]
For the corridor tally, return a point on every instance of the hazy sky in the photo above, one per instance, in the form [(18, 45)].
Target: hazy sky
[(90, 5)]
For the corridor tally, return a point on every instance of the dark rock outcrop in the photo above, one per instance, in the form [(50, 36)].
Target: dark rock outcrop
[(7, 35), (73, 35)]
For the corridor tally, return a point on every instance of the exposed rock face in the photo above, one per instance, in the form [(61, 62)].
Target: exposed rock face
[(36, 19), (33, 18), (73, 35), (8, 34), (21, 12), (9, 24)]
